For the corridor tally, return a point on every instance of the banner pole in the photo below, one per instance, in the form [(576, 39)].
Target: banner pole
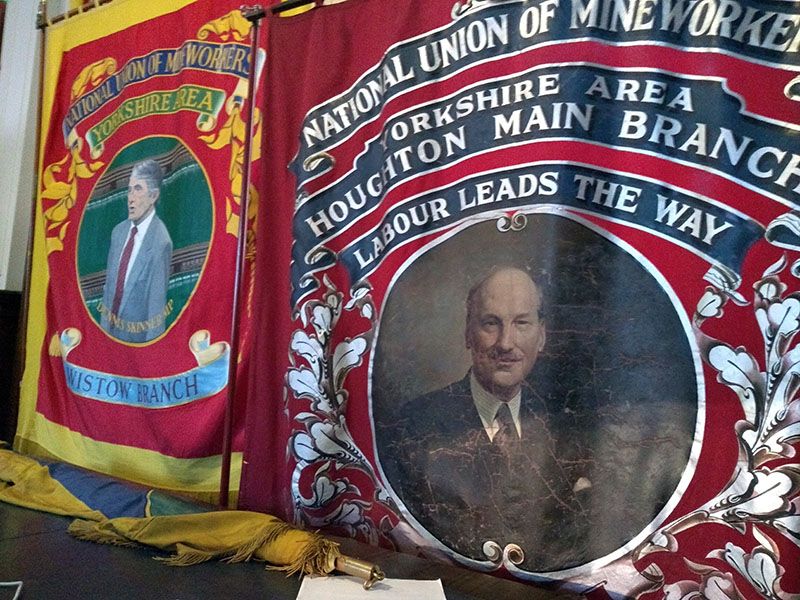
[(253, 14), (74, 12), (290, 4)]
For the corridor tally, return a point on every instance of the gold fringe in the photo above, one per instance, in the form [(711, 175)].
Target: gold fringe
[(268, 534), (192, 556), (90, 531), (318, 558), (186, 557)]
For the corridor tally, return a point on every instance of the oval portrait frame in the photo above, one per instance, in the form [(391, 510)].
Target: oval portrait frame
[(559, 249), (185, 191)]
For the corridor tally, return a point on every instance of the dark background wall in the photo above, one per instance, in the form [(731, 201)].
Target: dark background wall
[(9, 369), (2, 16)]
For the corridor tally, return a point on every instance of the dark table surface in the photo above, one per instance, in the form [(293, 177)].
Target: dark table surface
[(36, 549)]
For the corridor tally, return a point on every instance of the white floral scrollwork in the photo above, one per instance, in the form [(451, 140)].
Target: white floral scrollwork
[(514, 222), (512, 554), (713, 584), (323, 445), (762, 492), (461, 8), (760, 567), (792, 89)]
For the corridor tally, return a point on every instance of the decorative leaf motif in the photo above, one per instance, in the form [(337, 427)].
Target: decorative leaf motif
[(713, 585), (325, 437), (56, 190), (710, 305), (367, 311), (358, 293), (324, 489), (739, 371), (768, 497), (768, 290), (783, 317), (760, 568), (764, 540), (789, 526), (303, 447), (64, 192), (232, 25), (349, 513), (332, 441), (781, 432), (346, 356), (304, 383), (53, 245), (775, 268), (223, 136), (306, 417), (310, 349), (334, 300), (322, 320), (92, 75)]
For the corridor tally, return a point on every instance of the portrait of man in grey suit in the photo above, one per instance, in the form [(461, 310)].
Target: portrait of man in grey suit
[(134, 304)]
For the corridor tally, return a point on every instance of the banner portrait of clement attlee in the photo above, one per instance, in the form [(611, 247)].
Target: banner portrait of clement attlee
[(555, 436)]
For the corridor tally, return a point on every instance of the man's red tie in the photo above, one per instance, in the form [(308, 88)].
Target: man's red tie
[(123, 269)]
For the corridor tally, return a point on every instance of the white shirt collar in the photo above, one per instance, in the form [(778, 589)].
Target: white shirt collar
[(141, 228), (487, 404)]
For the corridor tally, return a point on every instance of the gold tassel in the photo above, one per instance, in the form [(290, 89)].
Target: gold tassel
[(196, 538), (91, 532), (318, 558), (268, 535), (186, 557)]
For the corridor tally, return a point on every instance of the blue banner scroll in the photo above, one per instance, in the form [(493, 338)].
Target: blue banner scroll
[(230, 59), (718, 233), (207, 379)]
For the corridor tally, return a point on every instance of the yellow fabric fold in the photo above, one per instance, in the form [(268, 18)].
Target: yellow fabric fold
[(25, 482), (234, 535)]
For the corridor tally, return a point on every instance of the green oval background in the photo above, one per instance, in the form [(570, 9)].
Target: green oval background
[(185, 207)]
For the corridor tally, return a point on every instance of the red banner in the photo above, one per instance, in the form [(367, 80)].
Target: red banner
[(579, 214), (137, 235)]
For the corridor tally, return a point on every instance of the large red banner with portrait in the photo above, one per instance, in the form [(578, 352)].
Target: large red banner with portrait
[(136, 237), (579, 213)]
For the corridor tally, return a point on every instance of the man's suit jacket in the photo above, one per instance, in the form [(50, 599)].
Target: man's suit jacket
[(577, 487), (145, 293), (465, 490)]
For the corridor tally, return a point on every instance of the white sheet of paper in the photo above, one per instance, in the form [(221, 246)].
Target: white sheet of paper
[(344, 587)]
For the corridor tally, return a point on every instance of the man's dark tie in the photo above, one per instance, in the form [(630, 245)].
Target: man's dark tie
[(507, 433), (123, 269)]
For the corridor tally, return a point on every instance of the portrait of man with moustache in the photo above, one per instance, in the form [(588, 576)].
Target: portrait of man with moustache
[(538, 396), (476, 461)]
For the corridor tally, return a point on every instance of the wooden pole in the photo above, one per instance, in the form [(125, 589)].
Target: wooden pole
[(253, 14)]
